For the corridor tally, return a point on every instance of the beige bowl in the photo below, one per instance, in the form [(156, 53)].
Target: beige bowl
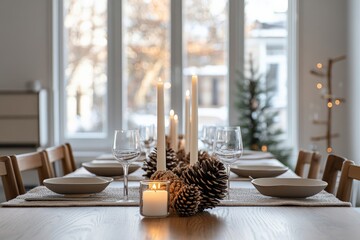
[(258, 171), (77, 185), (289, 187), (108, 169)]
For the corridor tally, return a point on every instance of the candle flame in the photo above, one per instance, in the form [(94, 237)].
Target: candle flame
[(172, 112), (153, 187), (187, 93), (167, 85), (176, 117), (319, 65), (159, 80)]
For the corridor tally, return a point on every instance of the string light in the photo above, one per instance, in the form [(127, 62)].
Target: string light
[(329, 104), (319, 86), (264, 148), (329, 149), (337, 101), (319, 65)]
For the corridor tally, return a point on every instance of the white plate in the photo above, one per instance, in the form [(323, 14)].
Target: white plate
[(109, 156), (107, 168), (255, 155), (258, 171), (77, 185), (289, 187)]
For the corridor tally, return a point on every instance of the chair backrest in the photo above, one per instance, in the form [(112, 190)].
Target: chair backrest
[(8, 178), (311, 158), (30, 161), (72, 159), (349, 172), (59, 154), (333, 166)]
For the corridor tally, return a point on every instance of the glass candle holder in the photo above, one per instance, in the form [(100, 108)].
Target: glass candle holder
[(154, 198)]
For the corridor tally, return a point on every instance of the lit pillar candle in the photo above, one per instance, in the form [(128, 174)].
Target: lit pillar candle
[(161, 165), (175, 133), (187, 121), (194, 120), (155, 202), (171, 127)]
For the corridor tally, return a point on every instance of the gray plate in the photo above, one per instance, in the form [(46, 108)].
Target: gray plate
[(289, 187)]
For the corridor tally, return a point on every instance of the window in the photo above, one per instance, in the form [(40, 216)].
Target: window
[(146, 48), (266, 38), (205, 32), (85, 68), (113, 52)]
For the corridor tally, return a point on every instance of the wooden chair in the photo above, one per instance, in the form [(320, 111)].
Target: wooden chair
[(311, 158), (72, 159), (349, 172), (61, 154), (333, 166), (8, 178), (30, 161)]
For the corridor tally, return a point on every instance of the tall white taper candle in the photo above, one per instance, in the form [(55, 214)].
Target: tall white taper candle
[(175, 142), (171, 128), (194, 120), (161, 149), (187, 121)]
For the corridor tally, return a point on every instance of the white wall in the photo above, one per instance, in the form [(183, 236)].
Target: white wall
[(354, 80), (24, 43), (354, 86), (322, 35)]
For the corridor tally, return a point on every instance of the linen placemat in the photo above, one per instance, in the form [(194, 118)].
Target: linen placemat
[(43, 197), (252, 197)]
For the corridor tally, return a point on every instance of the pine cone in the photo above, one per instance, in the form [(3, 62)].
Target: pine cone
[(182, 157), (175, 183), (201, 155), (210, 176), (149, 165), (187, 200), (164, 175), (179, 170)]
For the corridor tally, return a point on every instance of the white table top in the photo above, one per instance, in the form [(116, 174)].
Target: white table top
[(218, 223)]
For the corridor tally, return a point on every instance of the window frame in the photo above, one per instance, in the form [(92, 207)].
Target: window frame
[(116, 99)]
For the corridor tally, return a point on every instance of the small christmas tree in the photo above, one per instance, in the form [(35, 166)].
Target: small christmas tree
[(257, 118)]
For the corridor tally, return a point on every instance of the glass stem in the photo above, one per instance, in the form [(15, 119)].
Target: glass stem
[(228, 181), (126, 188)]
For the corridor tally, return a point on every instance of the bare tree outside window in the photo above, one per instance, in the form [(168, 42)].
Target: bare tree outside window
[(85, 37)]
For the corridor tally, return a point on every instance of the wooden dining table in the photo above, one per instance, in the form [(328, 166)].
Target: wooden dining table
[(221, 222)]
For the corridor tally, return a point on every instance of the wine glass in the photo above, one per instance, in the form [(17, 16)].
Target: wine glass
[(126, 149), (207, 136), (228, 148), (147, 136)]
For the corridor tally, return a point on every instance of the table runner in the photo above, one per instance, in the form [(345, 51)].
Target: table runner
[(109, 197)]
